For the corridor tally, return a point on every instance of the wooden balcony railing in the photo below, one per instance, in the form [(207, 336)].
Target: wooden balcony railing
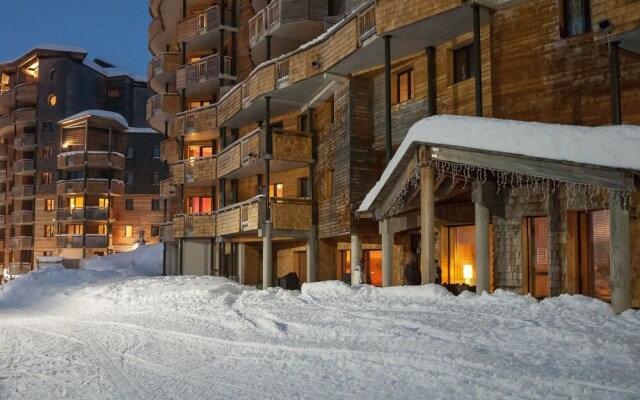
[(155, 27), (3, 175), (239, 217), (3, 198), (291, 214), (196, 120), (257, 28), (23, 166), (76, 241), (202, 169), (286, 146), (25, 116), (22, 191), (95, 160), (167, 189), (24, 141), (282, 70), (163, 103), (2, 220), (78, 214), (167, 234), (164, 63), (169, 151), (19, 268), (21, 217), (273, 13), (4, 151), (209, 20), (367, 24), (21, 243), (204, 70), (6, 124), (196, 225), (94, 186), (26, 94)]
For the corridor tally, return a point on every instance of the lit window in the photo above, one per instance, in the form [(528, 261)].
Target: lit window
[(576, 17), (128, 231), (102, 229), (463, 66), (52, 100), (76, 202), (45, 178), (113, 93), (128, 204), (46, 152), (276, 190), (459, 255), (103, 203), (200, 204), (404, 82), (48, 231), (75, 229), (49, 204)]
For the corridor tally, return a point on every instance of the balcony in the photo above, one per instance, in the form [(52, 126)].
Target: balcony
[(4, 152), (167, 234), (25, 117), (94, 186), (22, 217), (19, 268), (167, 189), (161, 37), (195, 225), (22, 243), (245, 157), (195, 172), (75, 160), (3, 176), (76, 241), (3, 198), (78, 214), (6, 124), (161, 108), (169, 151), (22, 192), (202, 29), (287, 214), (26, 95), (201, 121), (7, 101), (290, 23), (24, 167), (161, 70), (25, 142), (2, 220), (203, 77)]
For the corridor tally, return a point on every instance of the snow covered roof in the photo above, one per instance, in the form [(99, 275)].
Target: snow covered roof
[(50, 47), (606, 146), (97, 113)]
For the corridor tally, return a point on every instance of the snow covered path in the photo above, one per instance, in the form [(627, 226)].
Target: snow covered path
[(116, 337)]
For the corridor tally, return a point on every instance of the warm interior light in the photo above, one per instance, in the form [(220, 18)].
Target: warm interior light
[(33, 69), (467, 272)]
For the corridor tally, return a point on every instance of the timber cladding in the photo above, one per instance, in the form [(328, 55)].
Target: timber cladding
[(263, 81), (251, 216), (292, 147), (201, 225), (538, 75), (201, 170), (340, 44), (229, 160), (228, 222), (393, 14), (291, 216), (229, 105), (177, 173), (623, 14)]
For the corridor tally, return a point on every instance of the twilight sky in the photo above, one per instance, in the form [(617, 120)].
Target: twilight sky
[(115, 30)]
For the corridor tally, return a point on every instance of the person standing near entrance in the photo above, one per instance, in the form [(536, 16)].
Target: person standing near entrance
[(358, 277)]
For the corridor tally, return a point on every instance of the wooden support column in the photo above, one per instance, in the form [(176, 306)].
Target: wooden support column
[(620, 255), (312, 267), (241, 268), (483, 196), (387, 94), (427, 218), (387, 251), (431, 81), (356, 254), (477, 57)]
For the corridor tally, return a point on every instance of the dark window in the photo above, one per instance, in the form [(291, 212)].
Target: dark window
[(113, 93), (155, 204), (75, 175), (47, 126), (128, 204), (332, 110), (303, 187), (577, 17), (404, 85), (129, 178), (463, 65), (304, 123), (156, 178), (130, 152), (155, 230), (156, 152), (329, 184)]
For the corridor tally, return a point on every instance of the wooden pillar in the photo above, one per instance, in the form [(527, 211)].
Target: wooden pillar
[(356, 254), (427, 220), (312, 268), (482, 195), (620, 255), (241, 267), (387, 253)]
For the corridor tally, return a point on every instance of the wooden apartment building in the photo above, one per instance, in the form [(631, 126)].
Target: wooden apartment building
[(69, 155), (280, 116)]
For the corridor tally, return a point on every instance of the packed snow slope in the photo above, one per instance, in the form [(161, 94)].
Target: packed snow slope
[(112, 331)]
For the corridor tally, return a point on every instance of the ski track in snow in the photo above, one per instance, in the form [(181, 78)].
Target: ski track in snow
[(192, 338)]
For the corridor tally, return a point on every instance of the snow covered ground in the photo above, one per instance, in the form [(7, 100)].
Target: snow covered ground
[(115, 331)]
